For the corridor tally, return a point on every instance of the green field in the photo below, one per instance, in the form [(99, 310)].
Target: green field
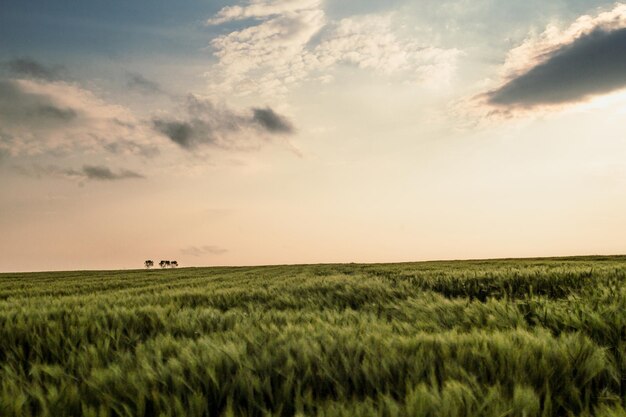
[(534, 337)]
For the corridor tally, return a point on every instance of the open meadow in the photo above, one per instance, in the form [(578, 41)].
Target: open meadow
[(533, 337)]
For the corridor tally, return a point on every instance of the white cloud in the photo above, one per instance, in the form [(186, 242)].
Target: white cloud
[(268, 57), (56, 117), (259, 9), (370, 42), (293, 42)]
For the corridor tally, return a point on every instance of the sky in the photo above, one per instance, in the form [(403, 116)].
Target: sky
[(309, 131)]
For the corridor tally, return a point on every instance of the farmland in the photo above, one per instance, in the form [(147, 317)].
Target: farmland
[(531, 337)]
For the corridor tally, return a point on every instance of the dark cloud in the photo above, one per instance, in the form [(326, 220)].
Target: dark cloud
[(5, 138), (270, 121), (102, 173), (29, 68), (56, 112), (592, 64), (205, 124), (20, 107), (6, 143), (41, 171), (209, 124), (129, 147), (91, 172), (181, 133), (123, 123), (203, 250), (138, 82)]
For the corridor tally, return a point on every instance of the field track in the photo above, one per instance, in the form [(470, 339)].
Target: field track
[(531, 337)]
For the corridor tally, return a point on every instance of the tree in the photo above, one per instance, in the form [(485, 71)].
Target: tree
[(149, 264)]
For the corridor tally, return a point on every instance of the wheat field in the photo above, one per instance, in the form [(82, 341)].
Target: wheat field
[(528, 337)]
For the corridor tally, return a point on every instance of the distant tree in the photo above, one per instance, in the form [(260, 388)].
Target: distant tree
[(149, 264), (173, 264)]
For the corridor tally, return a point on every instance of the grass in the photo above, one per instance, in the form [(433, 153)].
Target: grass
[(532, 337)]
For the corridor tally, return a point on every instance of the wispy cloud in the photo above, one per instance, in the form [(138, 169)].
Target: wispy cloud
[(370, 42), (20, 106), (42, 117), (30, 68), (292, 41), (203, 250), (58, 118), (270, 56), (140, 83), (565, 66), (261, 9), (103, 173), (87, 172), (129, 147)]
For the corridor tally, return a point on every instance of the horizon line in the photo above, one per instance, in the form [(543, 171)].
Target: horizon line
[(527, 258)]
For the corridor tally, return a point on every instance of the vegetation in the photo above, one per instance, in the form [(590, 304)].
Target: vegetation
[(535, 337)]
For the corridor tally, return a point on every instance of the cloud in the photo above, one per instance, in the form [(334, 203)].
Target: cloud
[(561, 67), (182, 133), (56, 112), (129, 147), (138, 82), (102, 173), (29, 68), (292, 42), (58, 117), (87, 172), (270, 56), (19, 106), (370, 42), (203, 250), (205, 123), (260, 9), (271, 121), (61, 119)]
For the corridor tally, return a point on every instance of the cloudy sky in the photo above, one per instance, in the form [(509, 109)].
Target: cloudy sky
[(305, 131)]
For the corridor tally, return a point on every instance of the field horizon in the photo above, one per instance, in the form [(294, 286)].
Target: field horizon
[(469, 260)]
